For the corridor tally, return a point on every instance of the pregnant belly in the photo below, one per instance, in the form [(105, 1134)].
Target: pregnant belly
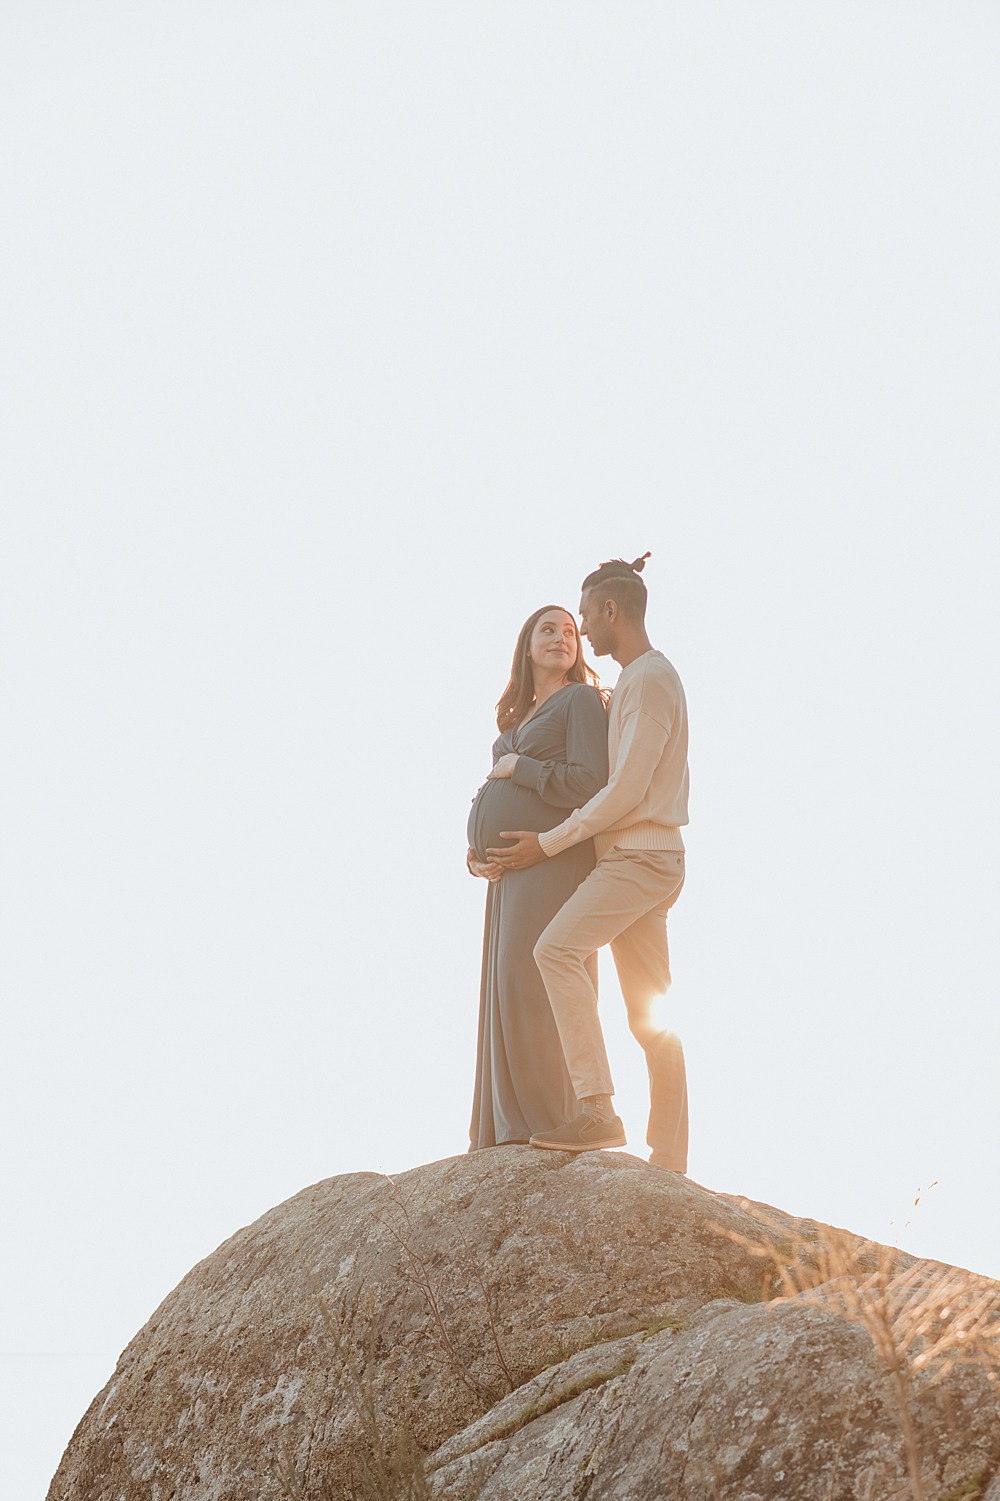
[(504, 805)]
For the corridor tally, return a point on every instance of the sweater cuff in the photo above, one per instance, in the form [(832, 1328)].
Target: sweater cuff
[(554, 841), (527, 772)]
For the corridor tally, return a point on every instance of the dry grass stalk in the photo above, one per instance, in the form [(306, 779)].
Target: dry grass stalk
[(418, 1273), (920, 1317), (390, 1464)]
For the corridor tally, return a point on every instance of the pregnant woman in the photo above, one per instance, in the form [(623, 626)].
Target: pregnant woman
[(552, 756)]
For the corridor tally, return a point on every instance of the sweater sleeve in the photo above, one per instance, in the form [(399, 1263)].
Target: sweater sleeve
[(639, 750), (567, 784)]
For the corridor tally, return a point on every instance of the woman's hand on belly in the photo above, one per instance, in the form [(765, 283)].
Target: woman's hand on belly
[(503, 768), (490, 870)]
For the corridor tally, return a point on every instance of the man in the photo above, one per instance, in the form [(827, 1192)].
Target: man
[(635, 822)]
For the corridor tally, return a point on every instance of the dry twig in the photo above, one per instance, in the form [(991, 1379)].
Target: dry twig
[(920, 1317)]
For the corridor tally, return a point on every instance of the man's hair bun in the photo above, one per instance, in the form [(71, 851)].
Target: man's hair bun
[(618, 568)]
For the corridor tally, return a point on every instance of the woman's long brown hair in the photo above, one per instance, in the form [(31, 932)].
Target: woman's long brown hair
[(519, 694)]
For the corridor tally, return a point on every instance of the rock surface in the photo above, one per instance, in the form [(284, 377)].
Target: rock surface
[(527, 1325)]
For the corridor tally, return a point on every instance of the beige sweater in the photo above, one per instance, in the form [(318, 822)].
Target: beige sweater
[(645, 801)]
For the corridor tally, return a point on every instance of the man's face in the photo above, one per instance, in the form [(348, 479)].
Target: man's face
[(594, 624)]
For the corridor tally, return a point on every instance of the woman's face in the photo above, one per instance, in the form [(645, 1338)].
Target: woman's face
[(553, 645)]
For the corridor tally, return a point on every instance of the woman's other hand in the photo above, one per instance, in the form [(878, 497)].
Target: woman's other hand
[(490, 870), (504, 767)]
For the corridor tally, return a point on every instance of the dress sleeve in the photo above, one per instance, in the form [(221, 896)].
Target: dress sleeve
[(573, 782)]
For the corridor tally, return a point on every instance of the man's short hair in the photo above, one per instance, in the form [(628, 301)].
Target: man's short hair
[(620, 581)]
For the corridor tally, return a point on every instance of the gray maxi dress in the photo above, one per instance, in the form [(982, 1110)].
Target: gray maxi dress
[(521, 1081)]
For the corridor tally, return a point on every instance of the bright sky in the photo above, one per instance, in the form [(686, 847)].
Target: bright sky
[(336, 338)]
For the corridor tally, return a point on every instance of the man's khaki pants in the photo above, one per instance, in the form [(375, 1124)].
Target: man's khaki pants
[(624, 901)]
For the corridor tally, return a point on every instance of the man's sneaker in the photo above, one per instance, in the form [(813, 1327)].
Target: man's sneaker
[(585, 1134)]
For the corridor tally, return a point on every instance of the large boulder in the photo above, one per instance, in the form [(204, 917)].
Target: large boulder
[(516, 1324)]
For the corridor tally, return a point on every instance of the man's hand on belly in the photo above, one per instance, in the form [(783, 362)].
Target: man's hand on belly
[(527, 851)]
